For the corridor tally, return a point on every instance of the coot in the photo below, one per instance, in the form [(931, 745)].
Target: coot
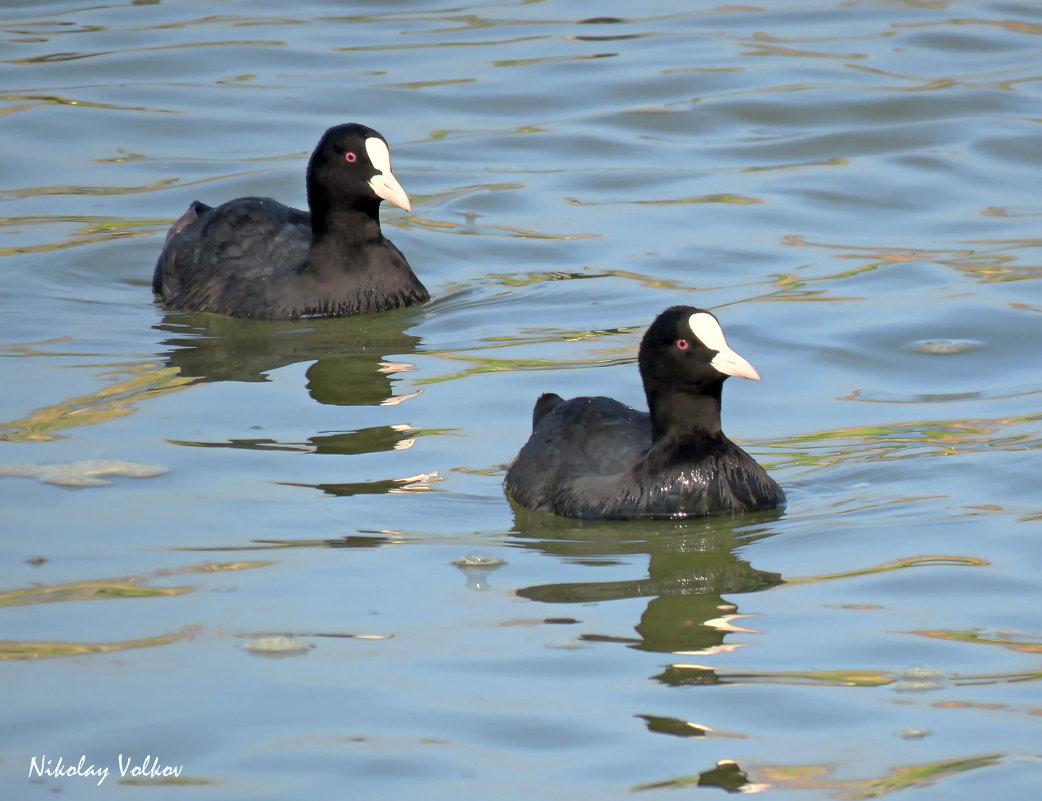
[(255, 257), (598, 458)]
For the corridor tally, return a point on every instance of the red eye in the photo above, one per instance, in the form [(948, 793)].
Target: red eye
[(351, 157), (683, 344)]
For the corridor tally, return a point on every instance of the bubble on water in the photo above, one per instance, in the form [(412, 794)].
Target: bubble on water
[(86, 473), (918, 679), (477, 560), (276, 646), (920, 672), (478, 567), (942, 346)]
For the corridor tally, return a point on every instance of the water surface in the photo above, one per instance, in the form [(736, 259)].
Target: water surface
[(839, 182)]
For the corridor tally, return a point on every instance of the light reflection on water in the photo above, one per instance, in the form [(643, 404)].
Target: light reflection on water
[(838, 182)]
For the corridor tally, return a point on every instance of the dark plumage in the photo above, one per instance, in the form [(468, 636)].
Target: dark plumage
[(598, 458), (255, 257)]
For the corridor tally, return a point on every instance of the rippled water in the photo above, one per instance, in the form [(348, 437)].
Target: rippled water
[(851, 186)]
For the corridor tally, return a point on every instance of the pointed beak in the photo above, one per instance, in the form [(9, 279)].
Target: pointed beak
[(387, 188), (730, 363)]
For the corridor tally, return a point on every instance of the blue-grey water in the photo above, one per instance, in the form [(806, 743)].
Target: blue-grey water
[(851, 186)]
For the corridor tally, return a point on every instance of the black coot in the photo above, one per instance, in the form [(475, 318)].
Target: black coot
[(255, 257), (598, 458)]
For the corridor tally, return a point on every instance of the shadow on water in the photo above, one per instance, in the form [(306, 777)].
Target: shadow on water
[(349, 358), (349, 367), (348, 355), (692, 564)]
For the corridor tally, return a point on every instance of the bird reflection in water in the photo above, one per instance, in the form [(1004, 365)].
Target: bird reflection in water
[(692, 565), (350, 356), (354, 361)]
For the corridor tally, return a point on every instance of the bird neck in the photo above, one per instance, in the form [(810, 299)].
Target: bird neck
[(680, 414), (350, 220)]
